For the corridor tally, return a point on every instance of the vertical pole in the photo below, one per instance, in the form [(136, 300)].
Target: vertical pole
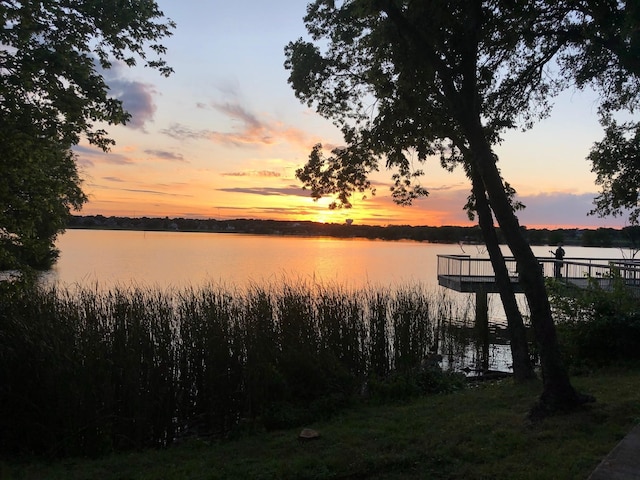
[(482, 328)]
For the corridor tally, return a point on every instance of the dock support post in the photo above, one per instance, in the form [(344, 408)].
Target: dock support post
[(482, 328)]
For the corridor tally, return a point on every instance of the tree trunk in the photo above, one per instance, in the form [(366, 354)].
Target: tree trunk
[(522, 367), (558, 393)]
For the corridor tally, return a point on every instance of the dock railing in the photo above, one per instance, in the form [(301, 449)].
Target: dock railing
[(465, 267)]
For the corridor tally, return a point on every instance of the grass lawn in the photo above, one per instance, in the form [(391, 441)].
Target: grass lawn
[(481, 432)]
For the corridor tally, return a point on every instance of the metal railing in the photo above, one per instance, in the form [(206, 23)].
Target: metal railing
[(464, 266)]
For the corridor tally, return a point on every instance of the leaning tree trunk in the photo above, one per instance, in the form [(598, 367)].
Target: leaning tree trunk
[(522, 367), (558, 393)]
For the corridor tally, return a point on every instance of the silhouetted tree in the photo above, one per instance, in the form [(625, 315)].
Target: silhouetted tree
[(407, 81), (39, 186), (52, 91), (603, 52)]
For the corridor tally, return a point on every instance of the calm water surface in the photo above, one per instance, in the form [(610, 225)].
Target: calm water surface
[(177, 259)]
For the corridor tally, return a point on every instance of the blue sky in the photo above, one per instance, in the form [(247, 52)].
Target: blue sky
[(223, 136)]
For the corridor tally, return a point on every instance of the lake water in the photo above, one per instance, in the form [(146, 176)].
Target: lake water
[(178, 259)]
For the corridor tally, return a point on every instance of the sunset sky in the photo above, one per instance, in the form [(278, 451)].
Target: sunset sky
[(222, 137)]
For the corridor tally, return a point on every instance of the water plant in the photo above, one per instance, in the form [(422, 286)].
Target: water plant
[(89, 371)]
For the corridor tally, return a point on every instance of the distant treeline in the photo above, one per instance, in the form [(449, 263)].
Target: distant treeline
[(601, 237)]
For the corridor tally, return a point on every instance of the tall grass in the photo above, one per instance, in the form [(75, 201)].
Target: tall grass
[(89, 371)]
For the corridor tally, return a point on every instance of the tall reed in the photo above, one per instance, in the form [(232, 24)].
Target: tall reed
[(88, 371)]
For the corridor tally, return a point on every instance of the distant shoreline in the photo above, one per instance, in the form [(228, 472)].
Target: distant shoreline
[(627, 237)]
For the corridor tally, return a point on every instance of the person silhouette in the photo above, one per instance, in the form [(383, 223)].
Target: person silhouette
[(557, 264)]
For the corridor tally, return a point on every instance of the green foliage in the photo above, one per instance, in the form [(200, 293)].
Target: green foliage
[(598, 325), (604, 49), (89, 372), (39, 186), (615, 162), (51, 81), (604, 53), (52, 91)]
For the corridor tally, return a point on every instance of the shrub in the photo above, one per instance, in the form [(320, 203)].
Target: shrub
[(596, 326)]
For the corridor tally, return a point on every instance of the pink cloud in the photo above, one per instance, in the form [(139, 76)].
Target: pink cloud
[(89, 156), (249, 129)]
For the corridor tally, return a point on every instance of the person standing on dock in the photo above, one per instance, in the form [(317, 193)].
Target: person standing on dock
[(557, 265)]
